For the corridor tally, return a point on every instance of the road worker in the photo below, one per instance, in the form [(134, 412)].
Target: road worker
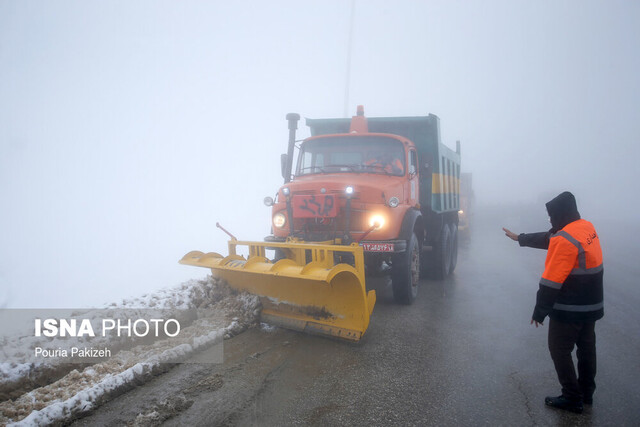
[(571, 294)]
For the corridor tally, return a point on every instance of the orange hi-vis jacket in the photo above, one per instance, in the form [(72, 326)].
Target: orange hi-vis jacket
[(571, 288)]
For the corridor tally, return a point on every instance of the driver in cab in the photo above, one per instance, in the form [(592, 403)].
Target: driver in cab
[(386, 162)]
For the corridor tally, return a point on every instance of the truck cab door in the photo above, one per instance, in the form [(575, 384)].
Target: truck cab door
[(413, 184)]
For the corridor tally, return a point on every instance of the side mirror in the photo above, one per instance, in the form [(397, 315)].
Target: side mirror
[(284, 159)]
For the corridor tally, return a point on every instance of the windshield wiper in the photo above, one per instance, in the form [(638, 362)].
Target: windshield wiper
[(352, 167), (376, 169), (328, 169), (314, 169)]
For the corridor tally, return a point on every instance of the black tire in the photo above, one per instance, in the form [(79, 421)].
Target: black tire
[(454, 248), (405, 273), (442, 255)]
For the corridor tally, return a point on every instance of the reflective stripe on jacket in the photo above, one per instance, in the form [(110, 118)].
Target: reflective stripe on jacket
[(571, 286)]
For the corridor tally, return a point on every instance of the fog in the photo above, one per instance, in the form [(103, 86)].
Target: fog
[(128, 129)]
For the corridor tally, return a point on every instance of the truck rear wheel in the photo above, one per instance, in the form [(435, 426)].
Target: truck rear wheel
[(442, 255), (406, 272)]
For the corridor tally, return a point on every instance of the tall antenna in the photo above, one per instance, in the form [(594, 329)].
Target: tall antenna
[(349, 48)]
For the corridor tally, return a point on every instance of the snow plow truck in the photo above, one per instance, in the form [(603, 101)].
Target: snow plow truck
[(367, 196)]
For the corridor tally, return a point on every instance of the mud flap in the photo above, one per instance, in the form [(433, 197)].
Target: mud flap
[(318, 297)]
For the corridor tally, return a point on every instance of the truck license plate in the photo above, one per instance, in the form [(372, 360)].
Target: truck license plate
[(378, 247), (315, 206)]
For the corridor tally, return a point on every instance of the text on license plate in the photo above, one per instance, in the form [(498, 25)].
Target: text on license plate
[(378, 247), (315, 206)]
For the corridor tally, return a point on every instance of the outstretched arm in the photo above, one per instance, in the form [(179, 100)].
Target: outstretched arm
[(532, 240), (510, 234)]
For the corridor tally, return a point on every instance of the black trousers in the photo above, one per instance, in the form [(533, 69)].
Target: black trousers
[(562, 338)]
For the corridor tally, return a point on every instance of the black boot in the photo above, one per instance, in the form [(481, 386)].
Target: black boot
[(562, 402)]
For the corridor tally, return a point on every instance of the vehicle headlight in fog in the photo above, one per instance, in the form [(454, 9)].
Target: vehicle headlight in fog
[(460, 212), (268, 201), (393, 202), (285, 191), (349, 190), (376, 220), (279, 220)]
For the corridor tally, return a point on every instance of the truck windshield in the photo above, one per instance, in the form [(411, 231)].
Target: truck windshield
[(370, 154)]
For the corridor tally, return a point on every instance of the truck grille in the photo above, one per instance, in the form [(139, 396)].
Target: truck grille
[(330, 228)]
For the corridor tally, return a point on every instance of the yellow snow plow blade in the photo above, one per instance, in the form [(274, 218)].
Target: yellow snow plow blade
[(318, 297)]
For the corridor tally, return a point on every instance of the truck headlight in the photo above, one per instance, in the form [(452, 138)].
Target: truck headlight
[(460, 212), (279, 220), (393, 202), (376, 219), (349, 190)]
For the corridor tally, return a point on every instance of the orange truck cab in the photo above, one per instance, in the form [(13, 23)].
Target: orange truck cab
[(387, 183)]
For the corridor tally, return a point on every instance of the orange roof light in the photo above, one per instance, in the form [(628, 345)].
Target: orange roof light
[(359, 122)]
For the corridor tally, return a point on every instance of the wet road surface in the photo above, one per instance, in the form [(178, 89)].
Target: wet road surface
[(463, 354)]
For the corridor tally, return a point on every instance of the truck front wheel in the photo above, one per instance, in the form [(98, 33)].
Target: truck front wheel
[(405, 273)]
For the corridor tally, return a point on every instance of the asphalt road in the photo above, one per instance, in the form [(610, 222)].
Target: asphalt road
[(463, 354)]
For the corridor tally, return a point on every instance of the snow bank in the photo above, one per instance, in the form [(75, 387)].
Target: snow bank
[(80, 390)]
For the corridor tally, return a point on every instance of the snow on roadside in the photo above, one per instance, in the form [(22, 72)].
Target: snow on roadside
[(16, 376), (83, 389)]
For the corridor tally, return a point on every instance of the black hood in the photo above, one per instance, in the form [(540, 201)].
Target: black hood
[(562, 211)]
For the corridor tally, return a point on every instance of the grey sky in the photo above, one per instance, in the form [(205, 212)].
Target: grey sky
[(127, 129)]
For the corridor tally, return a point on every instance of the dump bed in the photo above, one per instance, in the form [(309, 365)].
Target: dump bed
[(439, 165)]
